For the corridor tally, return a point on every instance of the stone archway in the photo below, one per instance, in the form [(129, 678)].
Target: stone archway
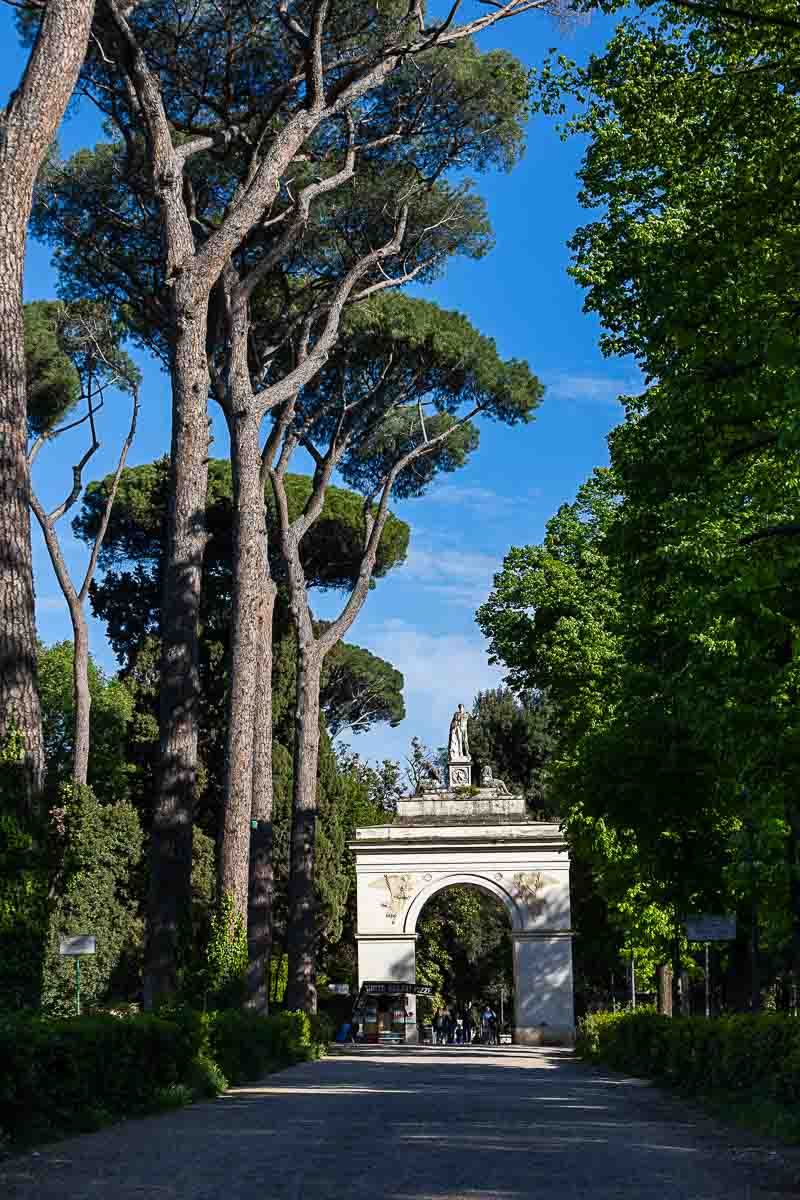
[(484, 840)]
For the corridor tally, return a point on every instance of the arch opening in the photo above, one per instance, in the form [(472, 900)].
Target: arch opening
[(464, 953), (482, 882)]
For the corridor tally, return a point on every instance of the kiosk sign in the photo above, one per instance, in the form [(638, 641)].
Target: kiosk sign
[(710, 928), (395, 987)]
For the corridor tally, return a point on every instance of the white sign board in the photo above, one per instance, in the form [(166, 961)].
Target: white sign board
[(80, 943), (339, 989), (710, 928)]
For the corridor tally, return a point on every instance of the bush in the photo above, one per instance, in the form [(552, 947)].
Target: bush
[(69, 1076), (247, 1045), (63, 1076), (323, 1029), (737, 1055)]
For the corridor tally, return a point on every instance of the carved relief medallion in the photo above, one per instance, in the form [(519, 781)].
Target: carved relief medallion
[(399, 889)]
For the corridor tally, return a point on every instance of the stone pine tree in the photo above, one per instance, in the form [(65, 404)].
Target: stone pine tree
[(74, 358), (233, 129), (359, 687), (28, 124), (394, 407)]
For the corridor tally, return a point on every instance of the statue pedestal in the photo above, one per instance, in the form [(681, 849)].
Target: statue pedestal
[(459, 773)]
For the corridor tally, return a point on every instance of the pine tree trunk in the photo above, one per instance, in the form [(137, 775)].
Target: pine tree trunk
[(664, 985), (259, 912), (169, 900), (19, 699), (301, 991), (249, 573), (81, 695), (27, 128)]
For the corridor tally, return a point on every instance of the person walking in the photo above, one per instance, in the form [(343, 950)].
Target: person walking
[(487, 1017), (437, 1028), (475, 1022)]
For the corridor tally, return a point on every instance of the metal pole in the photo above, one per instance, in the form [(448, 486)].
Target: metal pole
[(502, 995), (755, 991), (78, 985), (633, 982), (708, 988), (755, 1000)]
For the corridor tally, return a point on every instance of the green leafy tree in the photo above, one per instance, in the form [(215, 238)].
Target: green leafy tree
[(359, 689), (511, 735), (28, 125), (127, 598), (112, 715), (74, 354), (688, 267), (392, 408), (99, 892), (24, 883), (464, 948), (393, 101)]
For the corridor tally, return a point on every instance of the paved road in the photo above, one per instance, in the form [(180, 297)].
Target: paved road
[(422, 1124)]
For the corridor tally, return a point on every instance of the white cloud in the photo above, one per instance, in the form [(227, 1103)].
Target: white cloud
[(463, 577), (481, 499), (440, 671), (593, 389)]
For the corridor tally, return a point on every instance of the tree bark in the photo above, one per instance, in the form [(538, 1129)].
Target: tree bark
[(249, 574), (27, 128), (81, 696), (82, 699), (301, 989), (169, 900), (259, 912)]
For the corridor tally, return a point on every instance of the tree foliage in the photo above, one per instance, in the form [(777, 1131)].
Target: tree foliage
[(99, 892), (112, 712), (464, 948), (511, 735)]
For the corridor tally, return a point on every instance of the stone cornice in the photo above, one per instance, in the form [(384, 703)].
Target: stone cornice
[(388, 839)]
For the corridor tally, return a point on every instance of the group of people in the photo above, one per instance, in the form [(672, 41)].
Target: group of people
[(454, 1027)]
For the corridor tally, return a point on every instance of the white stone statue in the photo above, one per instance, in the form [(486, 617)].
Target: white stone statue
[(459, 737), (489, 781)]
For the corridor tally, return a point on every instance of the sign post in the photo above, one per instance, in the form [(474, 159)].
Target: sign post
[(708, 927), (75, 947)]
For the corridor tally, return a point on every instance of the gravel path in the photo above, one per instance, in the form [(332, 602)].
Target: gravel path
[(416, 1124)]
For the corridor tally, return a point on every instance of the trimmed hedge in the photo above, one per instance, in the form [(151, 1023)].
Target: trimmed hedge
[(738, 1055), (64, 1076)]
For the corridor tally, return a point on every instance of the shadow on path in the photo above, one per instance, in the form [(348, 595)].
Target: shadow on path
[(469, 1123)]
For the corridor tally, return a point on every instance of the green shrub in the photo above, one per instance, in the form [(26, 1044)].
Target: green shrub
[(323, 1030), (247, 1046), (62, 1076), (68, 1076), (737, 1055)]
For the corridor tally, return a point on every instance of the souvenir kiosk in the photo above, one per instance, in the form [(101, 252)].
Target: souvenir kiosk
[(383, 1013)]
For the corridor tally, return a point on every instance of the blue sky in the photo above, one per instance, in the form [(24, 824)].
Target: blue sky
[(421, 618)]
